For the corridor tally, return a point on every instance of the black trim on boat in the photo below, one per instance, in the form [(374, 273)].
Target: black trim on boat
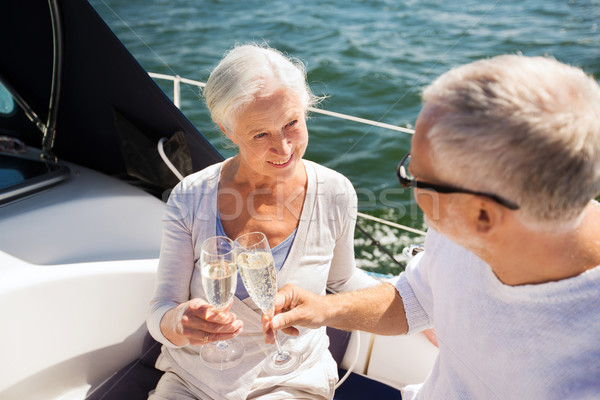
[(99, 76), (55, 88), (36, 175)]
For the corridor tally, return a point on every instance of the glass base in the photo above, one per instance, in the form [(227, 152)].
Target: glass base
[(282, 363), (222, 355)]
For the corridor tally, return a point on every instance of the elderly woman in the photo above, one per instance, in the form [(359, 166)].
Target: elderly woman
[(259, 98)]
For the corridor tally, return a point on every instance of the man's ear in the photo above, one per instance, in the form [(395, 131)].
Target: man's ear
[(484, 221), (487, 215)]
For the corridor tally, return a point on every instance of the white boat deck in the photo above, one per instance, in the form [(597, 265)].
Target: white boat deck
[(77, 263)]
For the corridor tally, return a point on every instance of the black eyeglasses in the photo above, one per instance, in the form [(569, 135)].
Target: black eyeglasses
[(408, 181)]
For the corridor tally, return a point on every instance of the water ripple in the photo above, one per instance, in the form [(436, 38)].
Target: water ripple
[(371, 58)]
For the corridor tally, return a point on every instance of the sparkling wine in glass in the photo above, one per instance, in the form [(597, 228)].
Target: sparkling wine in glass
[(257, 269), (219, 279)]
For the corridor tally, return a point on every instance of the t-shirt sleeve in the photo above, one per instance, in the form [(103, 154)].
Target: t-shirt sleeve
[(414, 286)]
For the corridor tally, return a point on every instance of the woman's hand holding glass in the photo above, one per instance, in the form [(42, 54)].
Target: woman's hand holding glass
[(200, 323), (196, 322), (219, 279)]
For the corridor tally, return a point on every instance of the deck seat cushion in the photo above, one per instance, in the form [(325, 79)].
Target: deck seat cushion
[(135, 380), (132, 382), (359, 387)]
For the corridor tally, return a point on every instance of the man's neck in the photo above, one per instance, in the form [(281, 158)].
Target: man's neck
[(528, 256)]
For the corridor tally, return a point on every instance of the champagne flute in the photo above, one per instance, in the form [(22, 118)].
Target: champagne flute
[(257, 268), (219, 279)]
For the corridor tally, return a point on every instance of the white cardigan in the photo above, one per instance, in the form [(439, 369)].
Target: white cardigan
[(321, 257)]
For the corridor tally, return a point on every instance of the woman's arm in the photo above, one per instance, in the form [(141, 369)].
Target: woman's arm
[(173, 318)]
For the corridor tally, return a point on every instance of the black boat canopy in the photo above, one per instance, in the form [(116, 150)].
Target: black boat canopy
[(110, 114)]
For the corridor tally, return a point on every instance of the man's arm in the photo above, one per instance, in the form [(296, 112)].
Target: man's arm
[(378, 309)]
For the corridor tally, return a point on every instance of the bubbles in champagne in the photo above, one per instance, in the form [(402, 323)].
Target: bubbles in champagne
[(258, 274), (219, 279)]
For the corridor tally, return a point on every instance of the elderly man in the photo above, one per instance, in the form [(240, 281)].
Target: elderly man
[(505, 164)]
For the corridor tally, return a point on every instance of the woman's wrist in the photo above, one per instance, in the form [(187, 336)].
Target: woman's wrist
[(170, 326)]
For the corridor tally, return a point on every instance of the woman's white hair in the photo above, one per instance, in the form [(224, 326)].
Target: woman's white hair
[(525, 128), (248, 71)]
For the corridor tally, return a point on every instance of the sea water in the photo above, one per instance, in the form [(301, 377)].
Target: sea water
[(370, 58)]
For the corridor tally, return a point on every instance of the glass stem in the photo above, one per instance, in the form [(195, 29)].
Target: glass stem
[(279, 349)]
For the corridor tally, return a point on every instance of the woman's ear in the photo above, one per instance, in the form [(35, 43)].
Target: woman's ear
[(223, 129), (227, 133)]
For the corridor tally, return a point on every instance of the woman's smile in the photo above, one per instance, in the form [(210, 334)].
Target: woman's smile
[(282, 163)]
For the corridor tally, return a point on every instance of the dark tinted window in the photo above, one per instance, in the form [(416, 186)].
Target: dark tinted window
[(21, 176), (7, 104)]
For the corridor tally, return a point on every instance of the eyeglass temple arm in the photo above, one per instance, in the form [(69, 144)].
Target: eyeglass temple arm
[(448, 189)]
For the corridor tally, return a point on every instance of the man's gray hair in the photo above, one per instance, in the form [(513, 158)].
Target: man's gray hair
[(525, 128), (248, 71)]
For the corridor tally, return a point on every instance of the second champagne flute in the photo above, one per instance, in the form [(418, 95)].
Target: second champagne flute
[(257, 268)]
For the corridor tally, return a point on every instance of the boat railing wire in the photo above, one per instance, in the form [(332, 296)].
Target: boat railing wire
[(178, 80)]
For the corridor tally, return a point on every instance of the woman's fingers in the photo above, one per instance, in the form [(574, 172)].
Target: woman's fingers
[(201, 323), (201, 338), (191, 324), (201, 309)]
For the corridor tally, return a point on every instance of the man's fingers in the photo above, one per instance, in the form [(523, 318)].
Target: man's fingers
[(286, 319), (284, 298), (268, 329), (291, 331)]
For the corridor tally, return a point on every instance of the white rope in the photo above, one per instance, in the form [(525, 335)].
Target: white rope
[(312, 109), (352, 365), (161, 151), (361, 120), (392, 224), (354, 361), (177, 79)]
